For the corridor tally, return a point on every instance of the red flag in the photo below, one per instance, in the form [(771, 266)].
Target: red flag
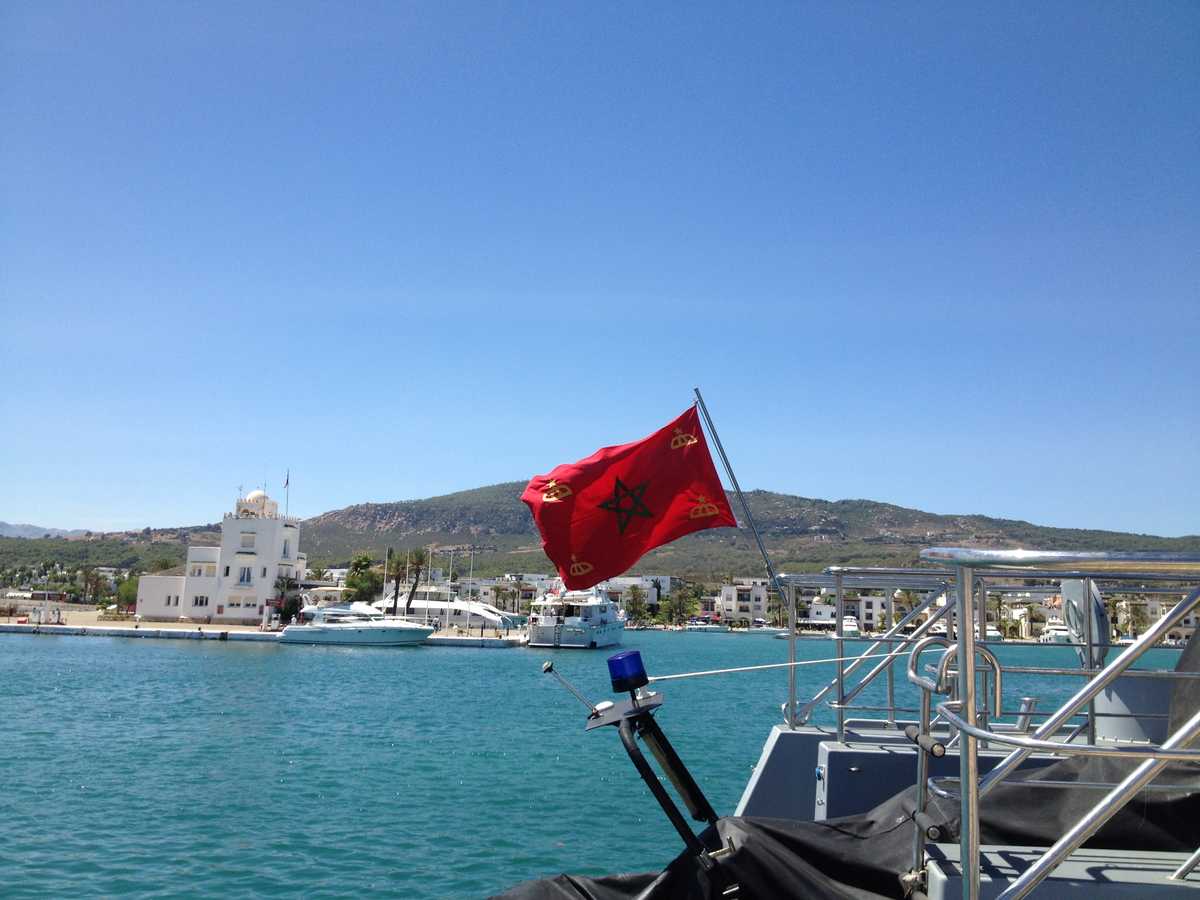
[(602, 514)]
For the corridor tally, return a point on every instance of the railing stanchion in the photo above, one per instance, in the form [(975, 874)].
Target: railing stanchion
[(840, 612), (968, 744), (891, 669)]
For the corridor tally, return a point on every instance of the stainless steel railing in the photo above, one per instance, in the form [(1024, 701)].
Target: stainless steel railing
[(970, 567)]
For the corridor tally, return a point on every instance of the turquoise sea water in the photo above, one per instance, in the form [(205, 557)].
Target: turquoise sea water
[(169, 768)]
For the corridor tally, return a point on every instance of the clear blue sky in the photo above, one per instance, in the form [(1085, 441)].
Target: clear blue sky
[(943, 256)]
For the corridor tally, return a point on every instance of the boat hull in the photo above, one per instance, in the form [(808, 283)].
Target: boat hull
[(355, 635), (577, 637)]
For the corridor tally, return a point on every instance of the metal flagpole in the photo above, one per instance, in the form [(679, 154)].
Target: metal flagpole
[(783, 595)]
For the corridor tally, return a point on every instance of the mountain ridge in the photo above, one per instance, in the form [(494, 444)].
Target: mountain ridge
[(801, 533)]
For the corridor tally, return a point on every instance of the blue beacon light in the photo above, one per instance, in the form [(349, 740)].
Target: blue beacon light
[(627, 671)]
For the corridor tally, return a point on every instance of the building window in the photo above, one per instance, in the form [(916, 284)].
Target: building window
[(286, 549), (244, 576), (264, 575), (247, 540)]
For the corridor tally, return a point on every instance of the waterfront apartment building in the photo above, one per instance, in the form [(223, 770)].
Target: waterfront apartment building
[(743, 601), (234, 582)]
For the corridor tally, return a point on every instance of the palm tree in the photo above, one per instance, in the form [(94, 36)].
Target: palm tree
[(418, 559), (317, 573), (500, 595), (635, 605), (393, 572), (362, 582)]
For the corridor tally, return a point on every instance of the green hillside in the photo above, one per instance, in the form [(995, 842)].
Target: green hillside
[(801, 534)]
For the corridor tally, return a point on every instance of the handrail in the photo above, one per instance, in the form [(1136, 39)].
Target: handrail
[(1092, 821), (1033, 744), (934, 785), (944, 666), (914, 657), (888, 637), (1089, 691)]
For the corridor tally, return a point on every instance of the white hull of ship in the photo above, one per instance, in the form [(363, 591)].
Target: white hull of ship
[(580, 637), (367, 634)]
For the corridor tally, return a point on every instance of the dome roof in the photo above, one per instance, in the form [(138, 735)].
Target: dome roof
[(255, 496)]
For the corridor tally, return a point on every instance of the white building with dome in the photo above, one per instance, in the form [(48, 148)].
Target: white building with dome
[(233, 582)]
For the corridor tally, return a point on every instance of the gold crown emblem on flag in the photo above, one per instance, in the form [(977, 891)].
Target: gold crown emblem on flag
[(681, 439), (555, 492), (580, 568), (703, 509)]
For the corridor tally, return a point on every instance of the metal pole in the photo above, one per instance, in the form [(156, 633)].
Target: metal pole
[(1088, 609), (1086, 693), (1186, 869), (840, 628), (891, 669), (753, 530), (790, 718), (1098, 815), (967, 754)]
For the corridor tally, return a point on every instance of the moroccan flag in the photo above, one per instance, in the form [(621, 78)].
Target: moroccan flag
[(602, 514)]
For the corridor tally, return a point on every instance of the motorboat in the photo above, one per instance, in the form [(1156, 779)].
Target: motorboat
[(356, 624), (760, 626), (577, 619), (705, 624), (850, 627)]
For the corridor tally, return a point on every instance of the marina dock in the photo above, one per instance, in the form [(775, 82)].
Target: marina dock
[(210, 633)]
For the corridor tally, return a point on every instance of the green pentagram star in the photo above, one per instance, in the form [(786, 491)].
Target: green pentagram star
[(625, 512)]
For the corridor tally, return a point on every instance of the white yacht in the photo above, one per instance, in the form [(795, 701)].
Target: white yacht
[(584, 619), (850, 627), (352, 623), (1056, 634)]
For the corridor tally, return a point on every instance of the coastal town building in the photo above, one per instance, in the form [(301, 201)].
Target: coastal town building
[(743, 601), (235, 582)]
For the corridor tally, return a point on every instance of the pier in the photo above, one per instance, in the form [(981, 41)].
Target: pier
[(234, 633)]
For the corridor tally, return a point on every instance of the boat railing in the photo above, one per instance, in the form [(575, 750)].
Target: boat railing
[(963, 714), (959, 721), (933, 584)]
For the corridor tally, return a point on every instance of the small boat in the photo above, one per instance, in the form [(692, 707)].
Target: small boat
[(578, 619), (355, 624), (760, 626), (850, 627), (704, 623)]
